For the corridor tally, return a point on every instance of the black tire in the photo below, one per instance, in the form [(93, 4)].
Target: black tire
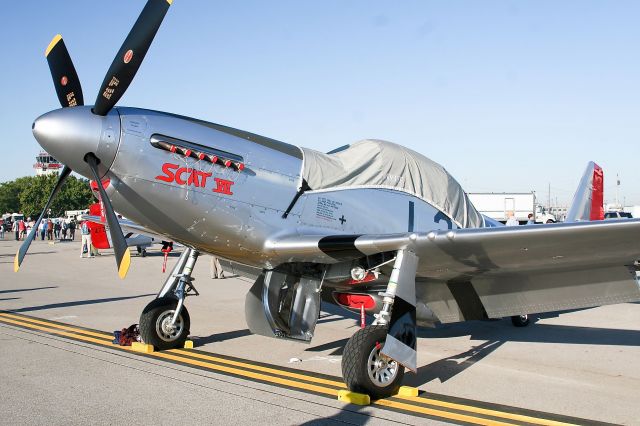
[(157, 313), (143, 253), (356, 370), (520, 320)]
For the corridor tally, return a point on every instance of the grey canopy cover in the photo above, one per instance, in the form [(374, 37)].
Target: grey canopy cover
[(380, 164)]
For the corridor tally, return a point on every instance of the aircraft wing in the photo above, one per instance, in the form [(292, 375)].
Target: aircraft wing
[(495, 272), (128, 226)]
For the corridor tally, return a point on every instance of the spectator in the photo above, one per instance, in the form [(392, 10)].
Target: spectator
[(530, 219), (511, 219), (16, 229), (22, 227), (56, 229), (86, 240), (49, 229), (65, 227), (216, 268), (43, 229), (72, 229), (2, 225)]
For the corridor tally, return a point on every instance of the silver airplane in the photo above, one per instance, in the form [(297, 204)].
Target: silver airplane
[(375, 225)]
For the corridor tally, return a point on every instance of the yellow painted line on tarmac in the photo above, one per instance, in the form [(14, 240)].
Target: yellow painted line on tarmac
[(434, 412), (214, 363), (261, 368), (485, 411), (245, 373), (60, 326), (56, 331)]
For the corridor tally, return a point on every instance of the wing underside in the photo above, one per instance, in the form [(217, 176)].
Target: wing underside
[(495, 272)]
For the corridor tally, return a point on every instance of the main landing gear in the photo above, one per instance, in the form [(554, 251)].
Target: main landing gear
[(375, 357), (165, 322)]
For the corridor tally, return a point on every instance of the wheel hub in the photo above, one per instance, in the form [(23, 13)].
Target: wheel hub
[(382, 370), (167, 331)]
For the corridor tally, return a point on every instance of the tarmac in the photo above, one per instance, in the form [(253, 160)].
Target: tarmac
[(57, 313)]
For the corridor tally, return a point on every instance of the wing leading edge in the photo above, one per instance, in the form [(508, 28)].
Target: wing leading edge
[(494, 272)]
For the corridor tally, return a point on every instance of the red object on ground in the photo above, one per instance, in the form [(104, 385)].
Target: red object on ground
[(166, 252)]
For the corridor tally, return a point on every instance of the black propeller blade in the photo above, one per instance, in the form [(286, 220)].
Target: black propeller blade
[(22, 251), (120, 248), (130, 56), (65, 78)]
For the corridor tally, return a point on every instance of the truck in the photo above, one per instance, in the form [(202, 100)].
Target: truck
[(497, 205), (74, 214)]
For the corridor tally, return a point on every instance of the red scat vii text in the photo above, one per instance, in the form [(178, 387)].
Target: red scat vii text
[(188, 176)]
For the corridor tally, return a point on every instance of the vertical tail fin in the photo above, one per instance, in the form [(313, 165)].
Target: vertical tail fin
[(588, 201)]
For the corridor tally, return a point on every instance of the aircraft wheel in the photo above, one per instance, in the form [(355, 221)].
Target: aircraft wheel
[(365, 369), (144, 253), (520, 320), (156, 328)]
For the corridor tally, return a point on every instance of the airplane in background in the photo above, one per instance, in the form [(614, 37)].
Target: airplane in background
[(382, 226)]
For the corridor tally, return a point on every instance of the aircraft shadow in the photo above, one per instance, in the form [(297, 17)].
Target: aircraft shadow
[(17, 290), (446, 368), (11, 256), (338, 345), (79, 303), (221, 337), (348, 414), (535, 333)]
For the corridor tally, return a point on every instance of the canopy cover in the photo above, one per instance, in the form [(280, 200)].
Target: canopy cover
[(380, 164)]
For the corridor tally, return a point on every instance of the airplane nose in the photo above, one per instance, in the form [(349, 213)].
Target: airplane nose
[(68, 134)]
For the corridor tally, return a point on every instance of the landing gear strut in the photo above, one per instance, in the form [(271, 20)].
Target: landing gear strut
[(165, 322)]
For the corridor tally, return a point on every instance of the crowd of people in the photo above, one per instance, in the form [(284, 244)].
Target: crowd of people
[(50, 228)]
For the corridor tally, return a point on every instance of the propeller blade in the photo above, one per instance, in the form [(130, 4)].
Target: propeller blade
[(65, 78), (123, 255), (130, 56), (22, 251)]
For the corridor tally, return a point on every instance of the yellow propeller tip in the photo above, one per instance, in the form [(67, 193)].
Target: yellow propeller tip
[(16, 262), (124, 264), (53, 43), (170, 2)]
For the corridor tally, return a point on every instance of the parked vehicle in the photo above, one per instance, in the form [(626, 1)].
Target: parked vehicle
[(617, 215), (497, 206)]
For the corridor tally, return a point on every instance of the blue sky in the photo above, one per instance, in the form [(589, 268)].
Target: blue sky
[(507, 95)]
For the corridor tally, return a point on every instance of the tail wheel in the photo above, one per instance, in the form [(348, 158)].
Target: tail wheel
[(365, 369), (156, 328), (520, 320)]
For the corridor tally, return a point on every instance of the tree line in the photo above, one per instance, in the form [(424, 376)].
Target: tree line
[(29, 194)]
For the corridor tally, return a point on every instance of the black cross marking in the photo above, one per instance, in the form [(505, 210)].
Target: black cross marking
[(342, 220)]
